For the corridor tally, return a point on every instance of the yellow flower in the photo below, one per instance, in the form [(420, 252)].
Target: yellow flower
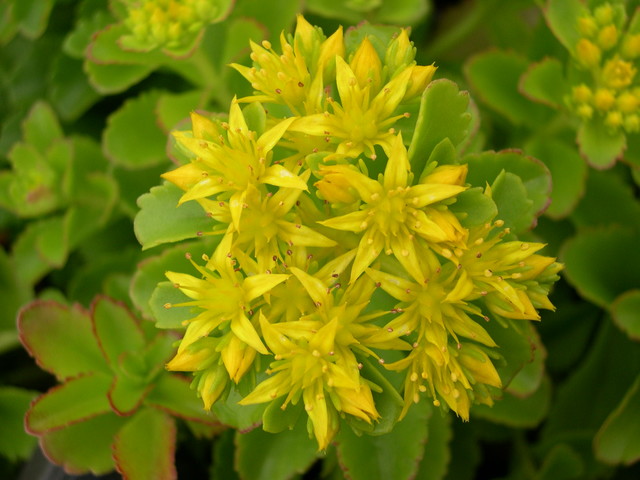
[(396, 217), (226, 166)]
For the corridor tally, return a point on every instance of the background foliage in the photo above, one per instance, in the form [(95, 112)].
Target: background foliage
[(84, 135)]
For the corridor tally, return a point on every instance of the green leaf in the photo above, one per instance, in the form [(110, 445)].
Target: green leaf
[(473, 207), (161, 220), (126, 394), (33, 16), (151, 272), (52, 243), (84, 447), (618, 440), (76, 42), (620, 208), (241, 417), (544, 82), (443, 114), (223, 450), (163, 310), (626, 313), (172, 108), (495, 76), (41, 127), (46, 325), (514, 207), (437, 454), (561, 463), (115, 78), (155, 431), (517, 412), (393, 455), (105, 49), (71, 94), (13, 295), (76, 400), (277, 419), (600, 146), (15, 443), (486, 167), (173, 394), (597, 263), (256, 451), (568, 174), (562, 18), (116, 329), (136, 120)]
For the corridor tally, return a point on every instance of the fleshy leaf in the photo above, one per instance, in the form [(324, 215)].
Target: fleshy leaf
[(276, 419), (116, 329), (561, 17), (13, 295), (495, 76), (473, 207), (84, 447), (256, 450), (14, 442), (597, 263), (393, 455), (437, 451), (443, 114), (32, 16), (41, 127), (46, 327), (71, 93), (165, 316), (110, 79), (173, 394), (600, 146), (626, 313), (562, 461), (126, 394), (160, 219), (77, 400), (618, 440), (155, 432), (543, 82), (136, 120)]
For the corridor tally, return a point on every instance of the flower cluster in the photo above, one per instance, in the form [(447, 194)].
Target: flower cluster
[(324, 265), (167, 23), (609, 55)]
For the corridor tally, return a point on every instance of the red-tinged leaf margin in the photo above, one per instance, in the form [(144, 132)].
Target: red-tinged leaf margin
[(553, 98), (619, 317), (131, 341), (84, 354), (37, 422), (134, 407), (144, 448)]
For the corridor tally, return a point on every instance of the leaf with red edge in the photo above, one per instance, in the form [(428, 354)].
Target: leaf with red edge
[(561, 17), (125, 394), (173, 394), (84, 447), (46, 326), (544, 82), (145, 447), (77, 400), (116, 329), (598, 145), (626, 313)]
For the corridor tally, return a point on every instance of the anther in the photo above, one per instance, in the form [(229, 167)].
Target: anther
[(167, 306)]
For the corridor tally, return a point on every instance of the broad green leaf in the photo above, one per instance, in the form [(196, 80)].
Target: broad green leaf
[(116, 329), (600, 146), (562, 16), (105, 49), (597, 263), (52, 243), (76, 42), (123, 138), (32, 16), (465, 452), (126, 394), (515, 208), (437, 451), (13, 295), (161, 220), (626, 313), (144, 447), (223, 450), (596, 387), (162, 306), (544, 82), (618, 440), (31, 267), (76, 400), (171, 108), (486, 167), (151, 272), (241, 417), (45, 326), (41, 127), (277, 419), (495, 76), (257, 450), (84, 447), (404, 12), (393, 455), (15, 443), (568, 174), (71, 93), (561, 463), (473, 207), (528, 380), (512, 411), (173, 394), (621, 206), (443, 114), (115, 78)]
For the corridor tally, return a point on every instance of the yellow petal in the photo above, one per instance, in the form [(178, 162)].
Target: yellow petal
[(316, 289), (271, 137), (396, 172), (281, 177), (244, 330), (366, 65), (257, 285)]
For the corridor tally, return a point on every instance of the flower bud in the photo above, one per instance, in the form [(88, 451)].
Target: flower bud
[(631, 46), (366, 66), (604, 99), (421, 75), (613, 120), (627, 102), (618, 73), (587, 26), (608, 37), (400, 52), (332, 47), (585, 111), (632, 123), (604, 14), (588, 54), (581, 93)]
